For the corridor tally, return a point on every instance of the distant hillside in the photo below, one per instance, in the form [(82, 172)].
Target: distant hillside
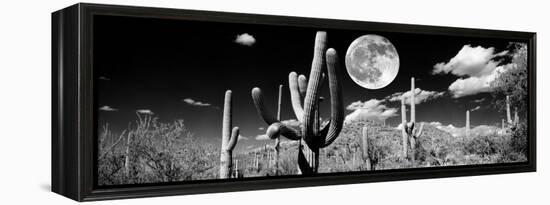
[(437, 147)]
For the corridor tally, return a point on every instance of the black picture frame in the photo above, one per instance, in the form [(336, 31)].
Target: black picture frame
[(74, 117)]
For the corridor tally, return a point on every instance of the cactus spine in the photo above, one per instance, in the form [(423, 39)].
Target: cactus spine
[(311, 134), (467, 122), (365, 146), (229, 138), (409, 130)]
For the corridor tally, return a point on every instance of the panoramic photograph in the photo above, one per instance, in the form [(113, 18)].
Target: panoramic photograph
[(181, 101)]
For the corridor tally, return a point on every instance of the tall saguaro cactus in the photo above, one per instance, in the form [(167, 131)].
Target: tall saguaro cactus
[(229, 139), (365, 148), (278, 139), (467, 122), (508, 114), (409, 130), (127, 155), (305, 98)]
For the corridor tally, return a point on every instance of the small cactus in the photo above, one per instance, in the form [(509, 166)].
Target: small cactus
[(467, 122), (365, 150), (409, 131), (508, 114), (305, 103), (229, 139)]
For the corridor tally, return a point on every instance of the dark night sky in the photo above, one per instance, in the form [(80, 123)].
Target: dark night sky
[(154, 64)]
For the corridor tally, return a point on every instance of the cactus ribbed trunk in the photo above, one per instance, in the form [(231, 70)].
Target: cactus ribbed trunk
[(236, 168), (403, 128), (278, 139), (127, 157), (365, 150), (508, 114), (467, 122), (308, 159), (229, 139), (413, 106)]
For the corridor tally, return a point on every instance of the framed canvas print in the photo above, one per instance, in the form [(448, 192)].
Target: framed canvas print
[(154, 102)]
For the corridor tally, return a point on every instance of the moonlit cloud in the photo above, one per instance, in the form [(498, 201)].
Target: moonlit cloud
[(192, 102), (245, 39), (477, 68), (145, 111), (242, 138), (107, 108), (370, 110), (470, 61), (479, 100), (475, 108), (261, 128), (103, 78), (262, 137), (420, 96)]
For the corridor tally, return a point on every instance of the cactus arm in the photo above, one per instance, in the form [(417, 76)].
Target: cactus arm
[(336, 98), (419, 131), (281, 129), (279, 101), (234, 138), (313, 87), (295, 96), (302, 85), (264, 113)]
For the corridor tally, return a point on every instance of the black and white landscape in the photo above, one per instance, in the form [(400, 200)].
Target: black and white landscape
[(188, 100)]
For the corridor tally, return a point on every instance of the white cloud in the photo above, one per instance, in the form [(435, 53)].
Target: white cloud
[(420, 96), (245, 39), (261, 128), (242, 138), (470, 61), (145, 111), (107, 108), (476, 108), (474, 85), (479, 100), (103, 78), (262, 137), (196, 103), (476, 67), (370, 110)]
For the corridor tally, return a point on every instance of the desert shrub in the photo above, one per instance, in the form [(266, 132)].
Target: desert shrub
[(158, 152), (518, 141)]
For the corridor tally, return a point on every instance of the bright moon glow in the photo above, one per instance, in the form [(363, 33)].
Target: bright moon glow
[(372, 61)]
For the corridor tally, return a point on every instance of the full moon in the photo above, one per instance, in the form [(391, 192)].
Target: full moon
[(372, 61)]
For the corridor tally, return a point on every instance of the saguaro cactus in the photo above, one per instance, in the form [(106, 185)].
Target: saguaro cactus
[(278, 139), (508, 114), (409, 129), (311, 134), (467, 122), (229, 139), (365, 148), (127, 155)]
